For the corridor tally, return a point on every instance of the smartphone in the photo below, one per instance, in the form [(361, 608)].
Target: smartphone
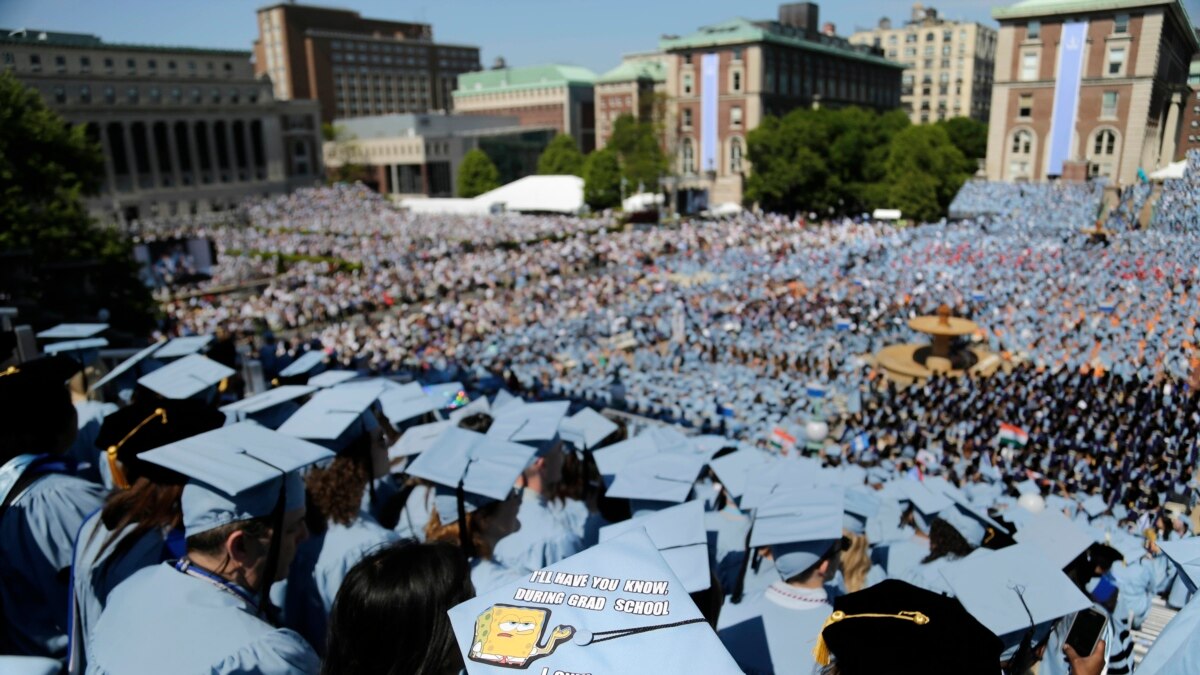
[(1086, 630)]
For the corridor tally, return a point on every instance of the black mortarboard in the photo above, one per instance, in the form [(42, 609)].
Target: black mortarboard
[(129, 432)]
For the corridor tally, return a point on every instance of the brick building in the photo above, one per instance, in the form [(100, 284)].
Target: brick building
[(1189, 130), (1088, 88), (356, 66), (723, 79), (636, 87), (556, 96)]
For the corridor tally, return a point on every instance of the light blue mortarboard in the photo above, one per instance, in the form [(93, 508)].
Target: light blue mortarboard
[(304, 363), (1059, 539), (29, 665), (1131, 547), (1060, 504), (478, 406), (613, 608), (334, 417), (272, 407), (535, 423), (678, 533), (609, 460), (800, 526), (505, 399), (1120, 512), (661, 477), (446, 395), (861, 505), (734, 469), (486, 468), (970, 528), (126, 365), (1176, 650), (418, 439), (1028, 487), (185, 378), (1185, 553), (1094, 505), (586, 428), (926, 503), (991, 587), (235, 473), (784, 473), (402, 402), (87, 348), (330, 378), (183, 346), (72, 331)]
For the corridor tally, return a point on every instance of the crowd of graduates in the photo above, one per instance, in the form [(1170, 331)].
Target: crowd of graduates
[(400, 465)]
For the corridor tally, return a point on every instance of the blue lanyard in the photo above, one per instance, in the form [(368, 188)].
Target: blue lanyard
[(191, 569)]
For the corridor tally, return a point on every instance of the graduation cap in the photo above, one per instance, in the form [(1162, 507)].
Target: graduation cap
[(616, 607), (73, 331), (272, 407), (127, 365), (1185, 553), (610, 459), (861, 504), (127, 433), (1028, 487), (190, 376), (678, 533), (1094, 505), (418, 439), (1176, 650), (841, 325), (237, 473), (504, 399), (895, 627), (330, 378), (586, 429), (479, 406), (534, 423), (448, 395), (1059, 539), (734, 469), (800, 526), (86, 350), (304, 364), (926, 503), (183, 346), (1016, 592), (400, 403), (656, 480), (334, 417)]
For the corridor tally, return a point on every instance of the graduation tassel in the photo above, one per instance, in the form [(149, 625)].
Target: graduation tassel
[(821, 650)]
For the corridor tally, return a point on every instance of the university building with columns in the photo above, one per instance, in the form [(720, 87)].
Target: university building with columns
[(1088, 88), (183, 131)]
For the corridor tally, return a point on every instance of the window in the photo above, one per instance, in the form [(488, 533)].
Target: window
[(687, 118), (131, 64), (1108, 104), (176, 95), (737, 80), (234, 96), (110, 95), (195, 95), (215, 95), (1106, 143), (687, 84), (152, 64), (1029, 65), (687, 59), (929, 51), (737, 53), (688, 156), (85, 63), (155, 95), (1116, 60), (1022, 143), (60, 95), (108, 65), (85, 94), (60, 64), (910, 51), (1033, 30), (35, 62), (735, 116), (735, 155), (1025, 106), (945, 50), (930, 37), (171, 66), (1121, 24), (131, 94)]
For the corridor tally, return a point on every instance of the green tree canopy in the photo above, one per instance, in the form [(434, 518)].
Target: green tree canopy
[(46, 168), (477, 174), (639, 154), (926, 151), (602, 179), (968, 135), (561, 158)]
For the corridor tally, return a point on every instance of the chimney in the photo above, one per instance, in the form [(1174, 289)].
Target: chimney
[(885, 23), (829, 28), (803, 15)]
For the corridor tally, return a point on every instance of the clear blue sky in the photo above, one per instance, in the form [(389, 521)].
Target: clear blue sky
[(590, 33)]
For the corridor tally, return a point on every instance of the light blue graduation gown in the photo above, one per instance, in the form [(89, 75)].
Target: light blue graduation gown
[(95, 573), (320, 566), (164, 621), (1136, 583), (726, 530), (542, 540), (488, 575), (776, 633), (37, 537)]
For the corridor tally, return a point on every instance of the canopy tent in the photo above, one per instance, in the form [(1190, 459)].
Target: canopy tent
[(532, 194), (1172, 170)]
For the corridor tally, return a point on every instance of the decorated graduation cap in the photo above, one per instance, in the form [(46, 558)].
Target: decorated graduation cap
[(272, 407), (237, 473), (614, 608), (895, 627), (330, 378), (800, 526), (127, 433), (1059, 539), (334, 417), (73, 331), (1017, 593), (678, 533), (449, 395), (183, 346), (654, 481), (402, 402), (190, 376), (586, 429), (1185, 553), (479, 406), (784, 473)]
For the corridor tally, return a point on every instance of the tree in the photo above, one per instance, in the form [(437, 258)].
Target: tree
[(561, 158), (602, 179), (477, 174), (926, 150), (639, 154), (74, 268), (345, 165), (968, 135)]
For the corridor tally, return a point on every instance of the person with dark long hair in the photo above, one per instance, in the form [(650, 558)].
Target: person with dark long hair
[(387, 590), (141, 523), (953, 536)]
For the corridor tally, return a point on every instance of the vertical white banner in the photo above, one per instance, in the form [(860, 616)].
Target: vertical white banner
[(709, 92)]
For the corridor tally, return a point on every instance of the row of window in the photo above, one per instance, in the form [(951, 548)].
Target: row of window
[(1104, 143), (1114, 66), (931, 36), (735, 117), (735, 54), (401, 48), (735, 82), (1033, 29), (109, 95), (1108, 105), (108, 64), (687, 156)]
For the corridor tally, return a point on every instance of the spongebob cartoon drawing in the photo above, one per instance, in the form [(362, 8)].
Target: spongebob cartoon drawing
[(508, 636)]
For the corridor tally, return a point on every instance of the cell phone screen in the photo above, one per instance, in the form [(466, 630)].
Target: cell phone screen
[(1086, 631)]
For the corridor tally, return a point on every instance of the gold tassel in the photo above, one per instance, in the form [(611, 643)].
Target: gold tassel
[(821, 651), (114, 465)]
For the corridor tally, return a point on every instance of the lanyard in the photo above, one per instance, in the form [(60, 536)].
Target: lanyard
[(193, 570)]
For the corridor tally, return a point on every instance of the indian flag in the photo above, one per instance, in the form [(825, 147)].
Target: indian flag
[(1013, 436), (782, 439)]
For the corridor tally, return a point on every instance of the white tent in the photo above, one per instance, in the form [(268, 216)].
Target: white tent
[(643, 201), (534, 194), (461, 207), (725, 209), (1172, 170), (886, 214)]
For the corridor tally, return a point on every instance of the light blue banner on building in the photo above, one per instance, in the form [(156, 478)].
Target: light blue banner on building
[(708, 111), (1066, 94)]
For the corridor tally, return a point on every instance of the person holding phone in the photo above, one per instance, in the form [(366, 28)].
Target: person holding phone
[(1093, 664)]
